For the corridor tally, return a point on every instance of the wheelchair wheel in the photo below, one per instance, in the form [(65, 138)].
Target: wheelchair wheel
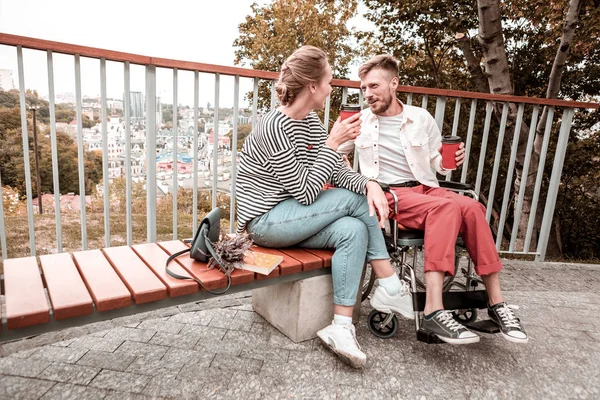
[(465, 316), (368, 282), (375, 320)]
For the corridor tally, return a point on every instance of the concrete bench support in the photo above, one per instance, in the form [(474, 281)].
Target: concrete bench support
[(298, 309)]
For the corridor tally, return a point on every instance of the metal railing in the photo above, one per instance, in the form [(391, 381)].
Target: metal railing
[(482, 140)]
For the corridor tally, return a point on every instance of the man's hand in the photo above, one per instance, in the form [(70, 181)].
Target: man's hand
[(377, 202), (460, 154), (346, 161)]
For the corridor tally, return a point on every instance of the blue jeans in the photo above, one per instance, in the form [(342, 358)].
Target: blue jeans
[(338, 219)]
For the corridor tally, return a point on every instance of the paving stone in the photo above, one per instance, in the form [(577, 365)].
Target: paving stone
[(259, 353), (222, 319), (68, 391), (247, 339), (64, 343), (112, 395), (185, 308), (234, 363), (69, 373), (24, 353), (61, 354), (120, 381), (17, 388), (281, 341), (202, 371), (198, 388), (106, 360), (241, 325), (249, 316), (131, 334), (144, 350), (175, 355), (186, 341), (196, 318), (153, 367), (97, 343), (22, 367), (168, 311), (219, 346), (161, 325), (204, 332)]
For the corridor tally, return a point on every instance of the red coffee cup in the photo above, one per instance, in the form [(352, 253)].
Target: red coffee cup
[(347, 110), (450, 145)]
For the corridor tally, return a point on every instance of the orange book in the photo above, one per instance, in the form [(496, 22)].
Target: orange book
[(261, 263)]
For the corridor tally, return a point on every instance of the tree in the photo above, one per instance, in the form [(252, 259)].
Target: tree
[(524, 47), (243, 131), (272, 32)]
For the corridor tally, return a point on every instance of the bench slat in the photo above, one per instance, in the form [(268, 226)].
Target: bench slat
[(103, 283), (199, 269), (24, 297), (288, 266), (156, 258), (325, 254), (68, 294), (139, 279), (212, 278), (309, 261)]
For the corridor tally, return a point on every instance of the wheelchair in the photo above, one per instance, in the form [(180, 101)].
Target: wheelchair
[(460, 293)]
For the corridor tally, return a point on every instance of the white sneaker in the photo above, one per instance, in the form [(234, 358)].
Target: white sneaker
[(401, 303), (341, 339)]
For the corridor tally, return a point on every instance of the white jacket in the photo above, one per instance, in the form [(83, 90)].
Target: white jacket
[(419, 135)]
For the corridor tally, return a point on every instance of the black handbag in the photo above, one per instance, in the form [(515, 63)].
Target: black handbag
[(201, 247)]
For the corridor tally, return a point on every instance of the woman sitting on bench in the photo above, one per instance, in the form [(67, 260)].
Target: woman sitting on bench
[(284, 165)]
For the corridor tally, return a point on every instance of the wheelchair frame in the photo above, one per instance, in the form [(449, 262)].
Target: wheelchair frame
[(468, 300)]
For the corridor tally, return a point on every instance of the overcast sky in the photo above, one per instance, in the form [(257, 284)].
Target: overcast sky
[(200, 30)]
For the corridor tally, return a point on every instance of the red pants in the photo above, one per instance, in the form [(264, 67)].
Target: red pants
[(443, 214)]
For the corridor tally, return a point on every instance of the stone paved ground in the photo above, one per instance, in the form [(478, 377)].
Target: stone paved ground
[(221, 349)]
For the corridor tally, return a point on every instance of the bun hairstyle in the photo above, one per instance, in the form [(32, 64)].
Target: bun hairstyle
[(307, 64)]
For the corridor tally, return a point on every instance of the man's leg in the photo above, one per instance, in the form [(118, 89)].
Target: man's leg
[(478, 239), (440, 219)]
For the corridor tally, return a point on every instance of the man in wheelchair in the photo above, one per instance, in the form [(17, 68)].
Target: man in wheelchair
[(400, 145)]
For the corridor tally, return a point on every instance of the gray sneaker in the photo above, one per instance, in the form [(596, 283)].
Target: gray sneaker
[(510, 326), (448, 329)]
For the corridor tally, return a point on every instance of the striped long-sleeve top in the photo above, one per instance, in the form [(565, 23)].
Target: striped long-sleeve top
[(284, 158)]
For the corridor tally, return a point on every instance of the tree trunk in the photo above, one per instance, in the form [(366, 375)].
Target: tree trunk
[(473, 64), (491, 40)]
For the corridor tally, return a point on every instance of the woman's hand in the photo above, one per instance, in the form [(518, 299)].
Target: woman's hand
[(377, 202), (343, 131)]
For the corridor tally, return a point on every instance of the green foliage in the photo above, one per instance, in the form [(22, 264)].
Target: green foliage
[(272, 32), (13, 173)]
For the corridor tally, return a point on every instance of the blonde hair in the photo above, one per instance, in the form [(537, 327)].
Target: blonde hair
[(307, 64), (382, 61)]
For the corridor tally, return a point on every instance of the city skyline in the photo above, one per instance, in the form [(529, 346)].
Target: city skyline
[(132, 27)]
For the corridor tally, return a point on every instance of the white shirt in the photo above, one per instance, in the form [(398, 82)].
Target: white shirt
[(393, 165), (420, 139)]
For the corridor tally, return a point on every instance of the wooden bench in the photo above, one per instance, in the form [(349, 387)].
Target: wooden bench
[(68, 290)]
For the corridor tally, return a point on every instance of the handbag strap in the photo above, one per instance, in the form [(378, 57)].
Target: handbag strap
[(213, 254)]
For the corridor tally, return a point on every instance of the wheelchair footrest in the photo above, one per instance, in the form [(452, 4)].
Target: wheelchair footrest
[(454, 300), (484, 325), (426, 336)]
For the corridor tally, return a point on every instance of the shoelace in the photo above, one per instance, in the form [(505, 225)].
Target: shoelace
[(505, 312), (446, 318), (353, 334)]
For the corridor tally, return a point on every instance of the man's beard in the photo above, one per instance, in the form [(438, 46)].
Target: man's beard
[(383, 104)]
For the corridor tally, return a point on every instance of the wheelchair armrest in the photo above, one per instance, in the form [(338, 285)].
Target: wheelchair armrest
[(456, 185), (384, 186)]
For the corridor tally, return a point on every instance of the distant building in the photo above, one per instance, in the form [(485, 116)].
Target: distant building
[(136, 100), (6, 80)]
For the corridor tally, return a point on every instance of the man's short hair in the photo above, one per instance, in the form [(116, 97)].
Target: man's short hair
[(382, 61)]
